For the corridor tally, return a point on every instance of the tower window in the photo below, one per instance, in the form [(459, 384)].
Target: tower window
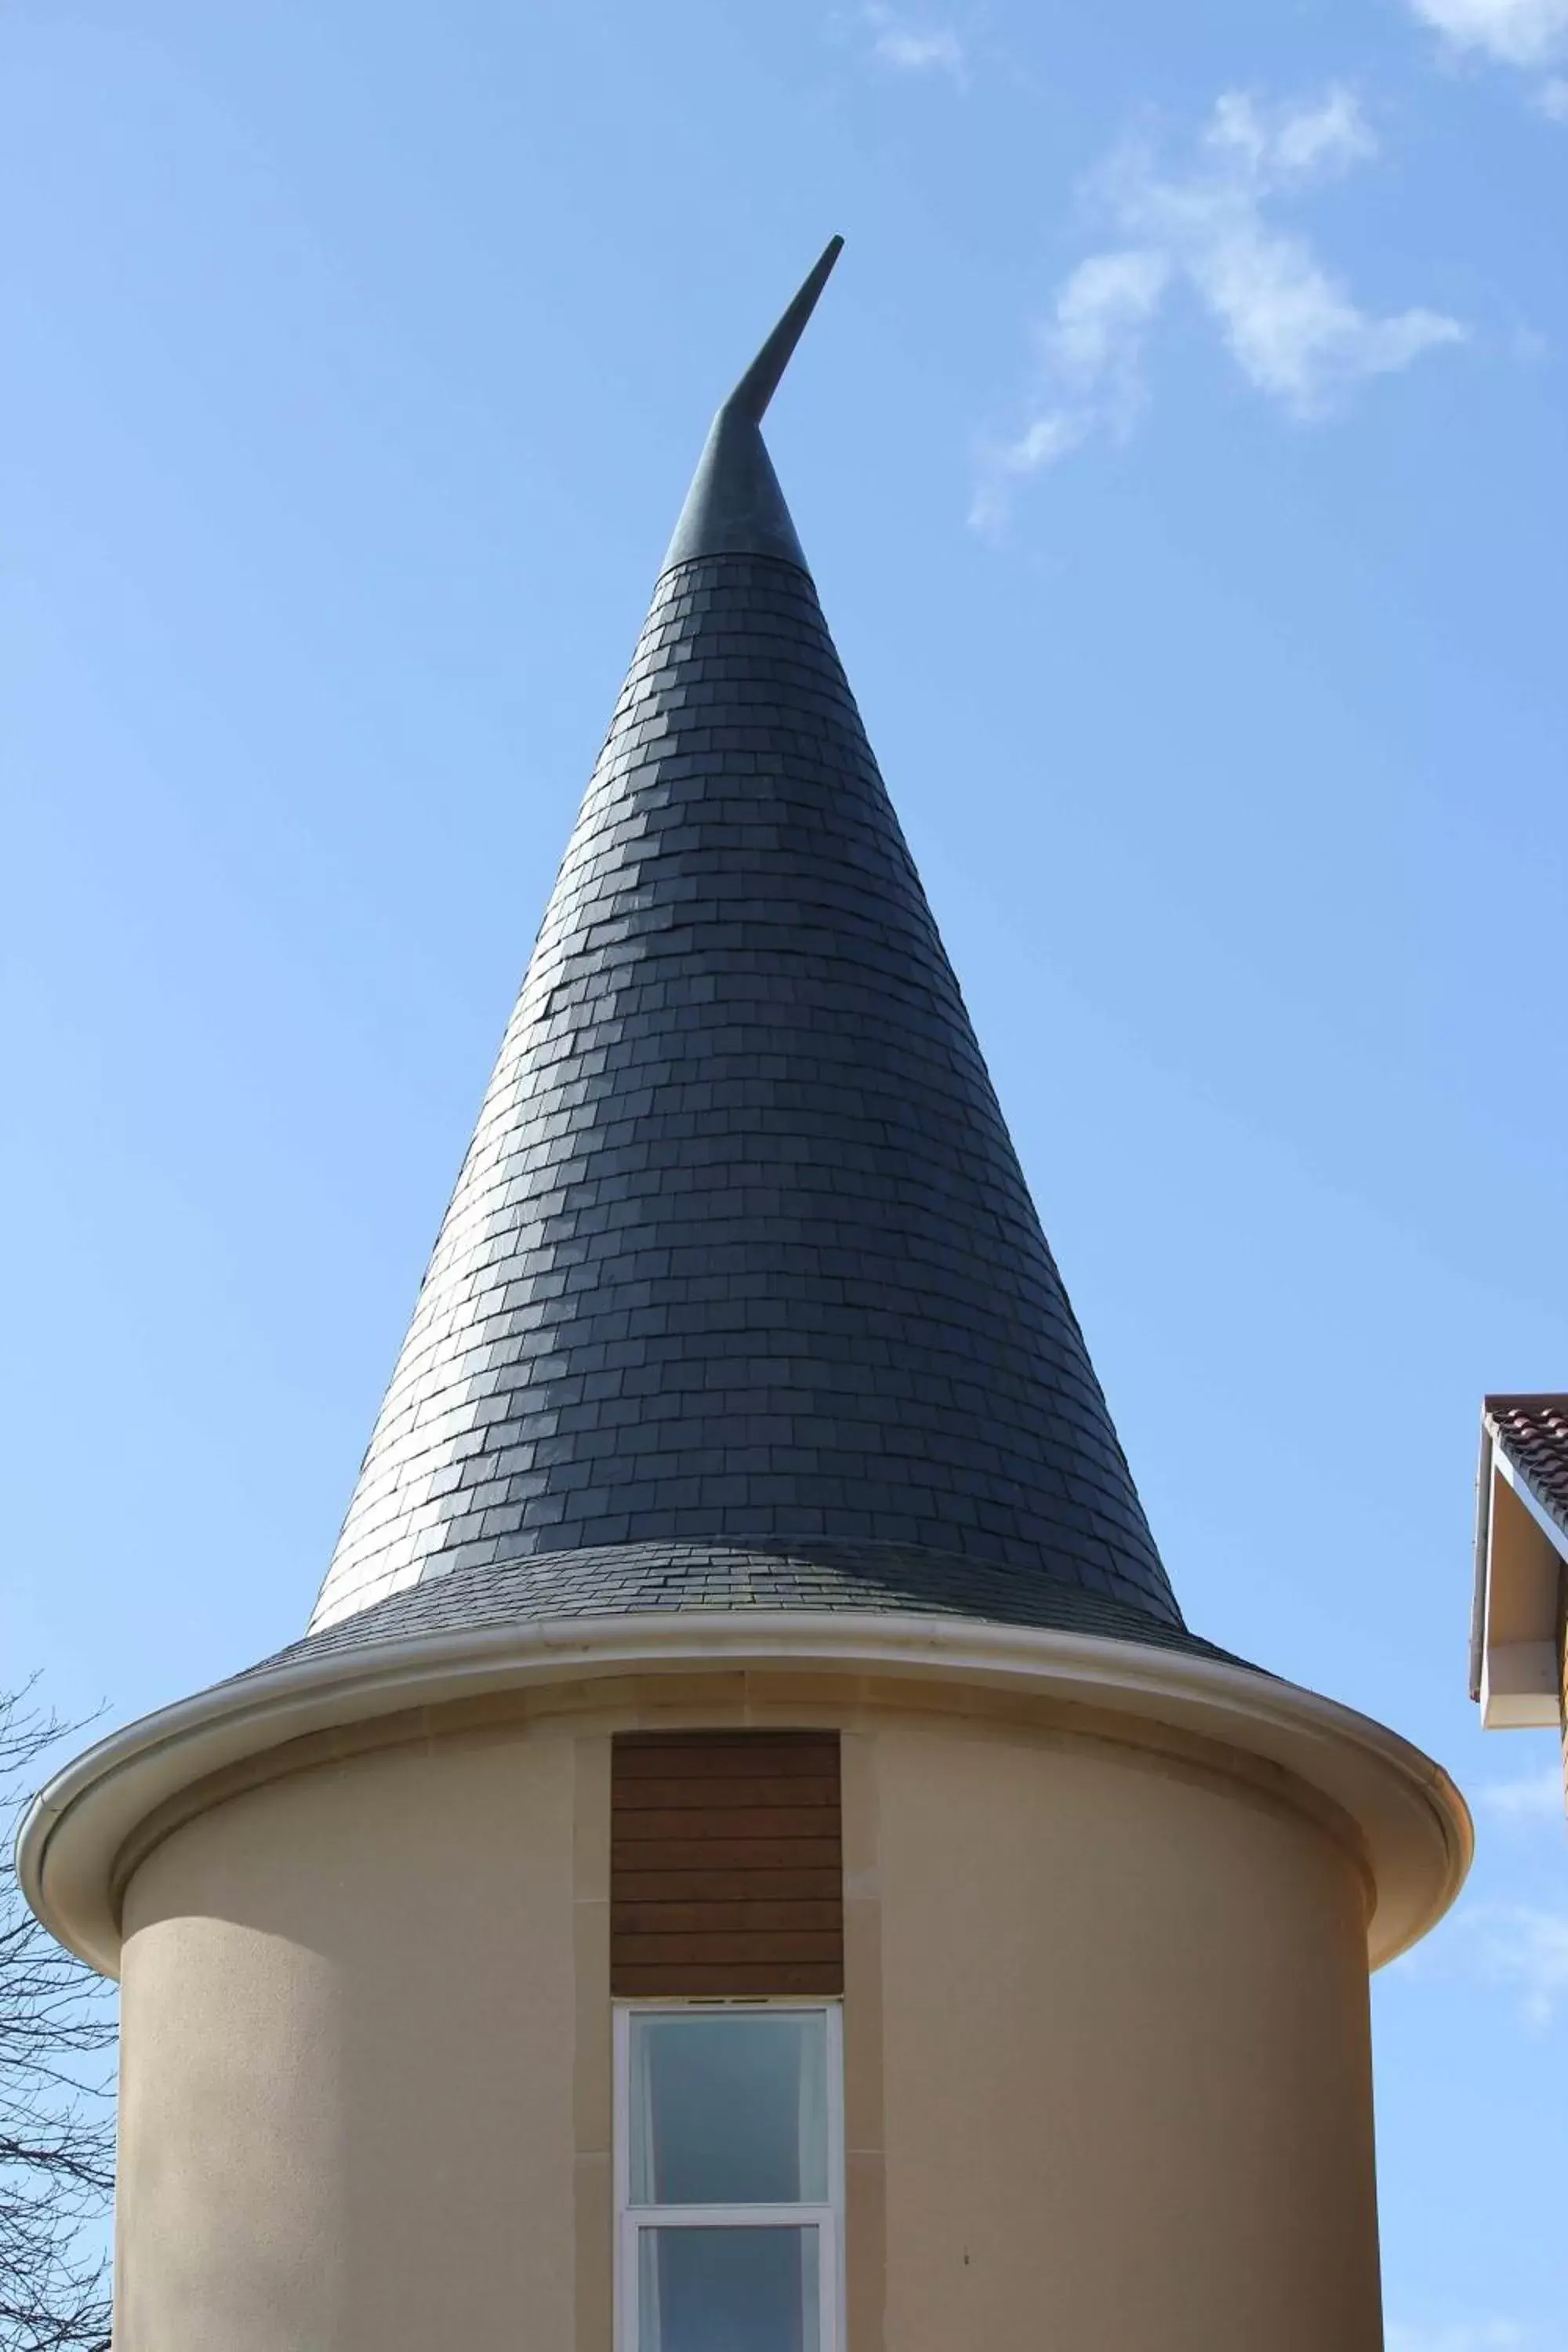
[(729, 2177)]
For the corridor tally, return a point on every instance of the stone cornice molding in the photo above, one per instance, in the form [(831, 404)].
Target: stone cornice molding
[(1413, 1824)]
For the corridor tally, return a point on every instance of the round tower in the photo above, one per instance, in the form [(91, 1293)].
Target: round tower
[(748, 1856)]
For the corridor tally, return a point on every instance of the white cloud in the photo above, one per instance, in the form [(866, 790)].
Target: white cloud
[(913, 45), (1089, 355), (1103, 309), (1289, 323), (1529, 34), (1483, 2336), (1290, 141), (1520, 1948), (1525, 32), (1292, 329), (1533, 1801)]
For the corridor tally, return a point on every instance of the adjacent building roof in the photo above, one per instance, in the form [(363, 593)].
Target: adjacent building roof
[(1521, 1549), (1533, 1432), (740, 1296)]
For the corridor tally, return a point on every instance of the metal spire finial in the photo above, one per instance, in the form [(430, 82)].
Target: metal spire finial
[(760, 381), (735, 506)]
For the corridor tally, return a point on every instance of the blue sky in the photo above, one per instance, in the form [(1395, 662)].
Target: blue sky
[(1180, 452)]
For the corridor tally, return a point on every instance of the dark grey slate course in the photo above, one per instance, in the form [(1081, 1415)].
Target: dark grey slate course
[(619, 1579)]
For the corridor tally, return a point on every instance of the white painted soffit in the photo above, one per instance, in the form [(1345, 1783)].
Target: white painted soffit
[(1509, 1470), (1483, 1540), (1514, 1665)]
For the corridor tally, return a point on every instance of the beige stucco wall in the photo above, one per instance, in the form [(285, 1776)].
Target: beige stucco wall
[(346, 2116), (1106, 2045), (1128, 2102)]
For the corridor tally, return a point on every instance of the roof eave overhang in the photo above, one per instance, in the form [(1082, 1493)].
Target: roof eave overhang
[(1483, 1538), (1412, 1821), (1515, 1665)]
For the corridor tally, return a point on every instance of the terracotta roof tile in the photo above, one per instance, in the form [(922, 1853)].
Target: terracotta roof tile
[(1533, 1433)]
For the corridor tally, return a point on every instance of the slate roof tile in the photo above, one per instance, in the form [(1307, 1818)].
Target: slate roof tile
[(739, 1146)]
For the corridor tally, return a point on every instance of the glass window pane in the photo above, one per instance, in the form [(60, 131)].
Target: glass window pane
[(730, 2110), (742, 2290)]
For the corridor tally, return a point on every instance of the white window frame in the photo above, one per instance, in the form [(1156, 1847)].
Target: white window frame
[(826, 2219)]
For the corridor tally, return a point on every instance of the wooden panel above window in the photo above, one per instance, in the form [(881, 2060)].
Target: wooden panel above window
[(726, 1867)]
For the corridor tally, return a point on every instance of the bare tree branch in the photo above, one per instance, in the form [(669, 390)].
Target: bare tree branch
[(57, 2131)]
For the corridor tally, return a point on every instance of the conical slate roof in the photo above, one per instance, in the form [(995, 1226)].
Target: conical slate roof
[(740, 1296)]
